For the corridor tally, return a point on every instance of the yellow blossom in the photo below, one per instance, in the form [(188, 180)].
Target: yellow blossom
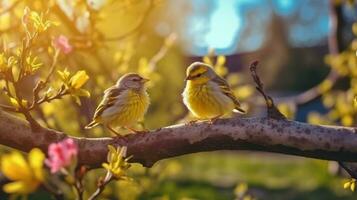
[(347, 120), (288, 110), (325, 86), (75, 82), (64, 75), (38, 22), (244, 91), (6, 63), (3, 65), (32, 64), (240, 189), (350, 184), (2, 59), (207, 60), (11, 61), (354, 28), (15, 102), (79, 79), (117, 163), (26, 175)]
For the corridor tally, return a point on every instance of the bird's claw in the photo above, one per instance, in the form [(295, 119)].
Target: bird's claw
[(137, 131), (141, 132), (192, 122), (113, 131), (214, 119)]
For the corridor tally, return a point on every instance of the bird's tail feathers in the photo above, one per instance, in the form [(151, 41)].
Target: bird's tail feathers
[(93, 124), (238, 109)]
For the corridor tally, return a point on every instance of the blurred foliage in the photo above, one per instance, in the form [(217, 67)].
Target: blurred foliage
[(340, 103), (103, 51), (74, 50)]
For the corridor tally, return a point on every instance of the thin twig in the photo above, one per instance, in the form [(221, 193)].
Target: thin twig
[(101, 185), (79, 189), (162, 52), (272, 110), (62, 92), (79, 174), (42, 84), (26, 46), (351, 170), (8, 108), (53, 66), (64, 19)]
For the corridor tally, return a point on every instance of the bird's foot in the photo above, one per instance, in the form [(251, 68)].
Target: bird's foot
[(214, 119), (191, 122), (114, 131), (138, 131)]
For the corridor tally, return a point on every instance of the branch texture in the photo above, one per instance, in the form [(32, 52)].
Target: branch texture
[(261, 134)]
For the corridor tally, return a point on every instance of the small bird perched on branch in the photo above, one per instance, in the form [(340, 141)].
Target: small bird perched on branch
[(123, 104), (207, 95)]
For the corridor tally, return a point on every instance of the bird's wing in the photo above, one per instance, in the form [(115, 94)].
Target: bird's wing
[(110, 97), (226, 89)]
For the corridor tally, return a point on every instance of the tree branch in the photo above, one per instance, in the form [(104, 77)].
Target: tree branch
[(260, 134)]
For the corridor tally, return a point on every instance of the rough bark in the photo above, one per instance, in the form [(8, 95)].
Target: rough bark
[(260, 134)]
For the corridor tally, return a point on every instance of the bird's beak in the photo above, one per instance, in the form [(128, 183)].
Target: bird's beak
[(144, 80)]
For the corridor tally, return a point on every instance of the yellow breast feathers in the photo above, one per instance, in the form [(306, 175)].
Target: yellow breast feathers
[(206, 100)]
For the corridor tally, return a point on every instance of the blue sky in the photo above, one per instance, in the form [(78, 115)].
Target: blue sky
[(219, 24)]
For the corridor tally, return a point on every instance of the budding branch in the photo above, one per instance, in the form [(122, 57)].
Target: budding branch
[(260, 134)]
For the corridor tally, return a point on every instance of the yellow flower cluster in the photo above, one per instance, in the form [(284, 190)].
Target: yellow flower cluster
[(6, 63), (218, 65), (241, 192), (35, 22), (117, 163), (26, 174), (32, 65), (350, 184), (75, 82)]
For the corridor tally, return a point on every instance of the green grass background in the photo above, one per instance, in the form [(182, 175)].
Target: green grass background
[(214, 175)]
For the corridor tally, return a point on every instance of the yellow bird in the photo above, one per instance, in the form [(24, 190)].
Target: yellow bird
[(123, 104), (207, 95)]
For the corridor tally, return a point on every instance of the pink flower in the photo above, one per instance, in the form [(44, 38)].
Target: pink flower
[(62, 43), (61, 154)]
